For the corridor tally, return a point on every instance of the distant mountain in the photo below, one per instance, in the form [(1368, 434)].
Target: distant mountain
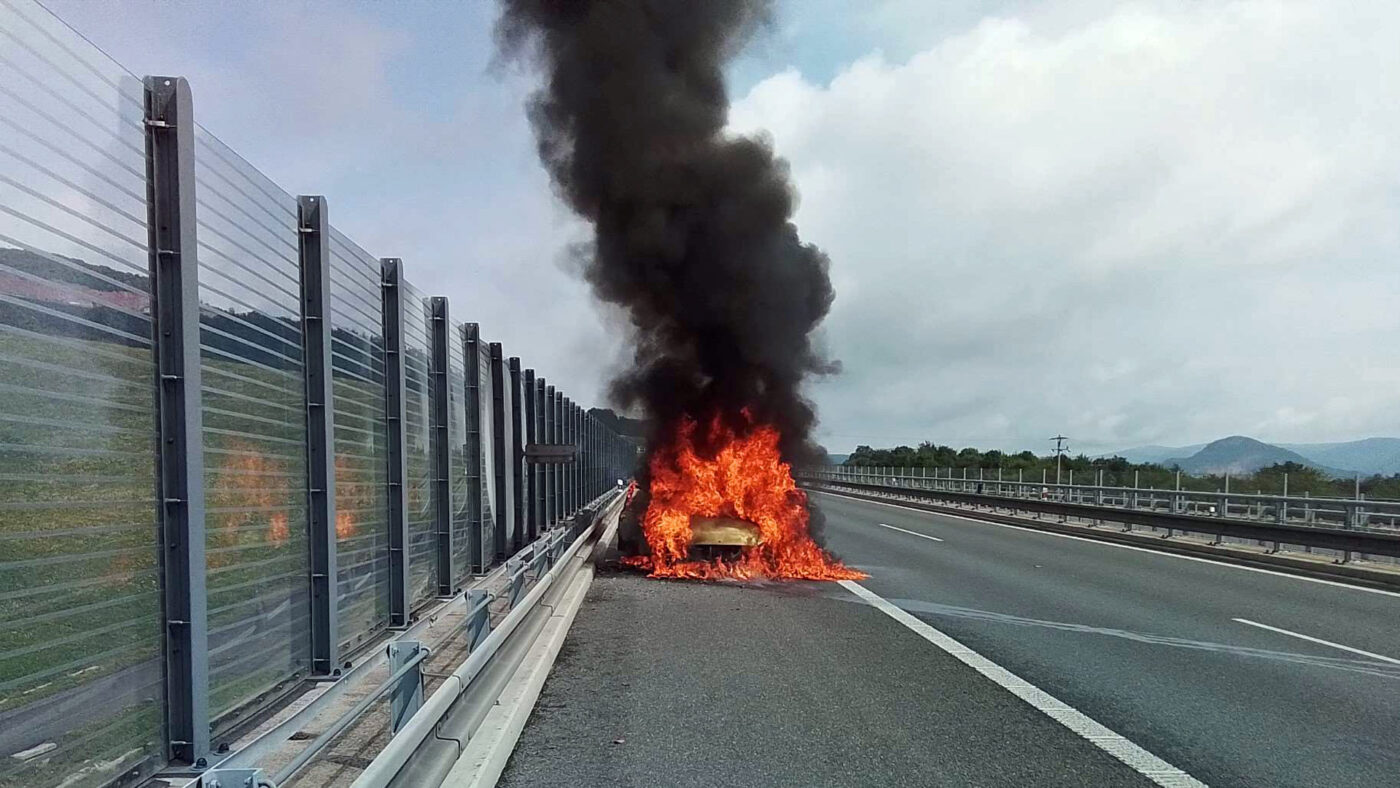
[(1141, 454), (1241, 455), (1366, 456), (835, 459)]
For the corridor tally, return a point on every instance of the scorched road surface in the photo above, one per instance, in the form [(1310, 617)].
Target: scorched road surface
[(1149, 644), (709, 684)]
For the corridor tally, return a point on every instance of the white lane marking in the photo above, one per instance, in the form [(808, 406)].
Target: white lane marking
[(1312, 639), (1140, 760), (1163, 553), (911, 533)]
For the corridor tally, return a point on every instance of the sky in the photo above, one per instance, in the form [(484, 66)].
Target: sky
[(1129, 223)]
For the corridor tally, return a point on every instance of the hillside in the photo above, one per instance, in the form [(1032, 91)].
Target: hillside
[(1154, 453), (1366, 456), (1238, 454)]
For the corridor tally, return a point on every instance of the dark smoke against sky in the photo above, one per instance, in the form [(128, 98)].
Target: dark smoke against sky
[(692, 227)]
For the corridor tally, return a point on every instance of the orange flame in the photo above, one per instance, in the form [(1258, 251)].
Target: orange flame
[(344, 525), (746, 479), (277, 532), (246, 494), (351, 494)]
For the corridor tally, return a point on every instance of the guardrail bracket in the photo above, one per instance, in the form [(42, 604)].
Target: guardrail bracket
[(406, 697)]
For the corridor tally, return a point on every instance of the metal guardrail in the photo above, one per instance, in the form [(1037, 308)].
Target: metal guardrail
[(396, 756), (1356, 530), (1358, 512), (403, 689)]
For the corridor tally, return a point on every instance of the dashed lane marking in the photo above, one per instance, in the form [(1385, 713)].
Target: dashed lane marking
[(1312, 639), (911, 533)]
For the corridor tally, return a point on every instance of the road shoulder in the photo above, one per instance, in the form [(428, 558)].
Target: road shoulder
[(723, 684)]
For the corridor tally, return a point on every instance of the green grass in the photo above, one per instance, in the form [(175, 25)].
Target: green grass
[(79, 564), (78, 517), (92, 755)]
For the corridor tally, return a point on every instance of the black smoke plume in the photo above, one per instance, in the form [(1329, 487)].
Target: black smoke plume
[(693, 234)]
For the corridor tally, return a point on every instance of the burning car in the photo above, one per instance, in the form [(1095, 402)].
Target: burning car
[(731, 511)]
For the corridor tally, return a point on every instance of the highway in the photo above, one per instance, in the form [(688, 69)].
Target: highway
[(1152, 645), (1232, 676)]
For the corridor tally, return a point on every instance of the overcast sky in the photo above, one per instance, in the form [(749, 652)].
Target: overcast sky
[(1149, 222)]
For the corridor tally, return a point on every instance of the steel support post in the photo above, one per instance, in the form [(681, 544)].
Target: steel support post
[(581, 464), (170, 196), (571, 469), (476, 483), (532, 470), (574, 466), (517, 455), (501, 440), (478, 617), (551, 435), (313, 235), (570, 505), (441, 372), (515, 581), (560, 433), (561, 472), (561, 504), (392, 276)]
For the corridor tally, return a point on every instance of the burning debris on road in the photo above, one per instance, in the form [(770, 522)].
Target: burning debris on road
[(693, 239)]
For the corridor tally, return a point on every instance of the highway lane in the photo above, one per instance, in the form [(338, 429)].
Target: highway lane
[(790, 684), (1148, 643)]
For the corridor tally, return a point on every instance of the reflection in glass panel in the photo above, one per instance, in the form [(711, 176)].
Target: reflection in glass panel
[(254, 432), (461, 458), (418, 484), (361, 449), (483, 497), (81, 687)]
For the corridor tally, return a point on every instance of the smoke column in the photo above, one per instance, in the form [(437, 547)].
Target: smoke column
[(692, 227)]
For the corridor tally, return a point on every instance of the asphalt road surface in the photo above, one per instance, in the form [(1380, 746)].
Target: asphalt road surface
[(1149, 644), (707, 684), (666, 683)]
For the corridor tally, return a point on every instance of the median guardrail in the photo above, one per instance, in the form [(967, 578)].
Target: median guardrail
[(1357, 531)]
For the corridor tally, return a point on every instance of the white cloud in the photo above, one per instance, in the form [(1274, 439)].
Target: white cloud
[(392, 112), (1156, 222)]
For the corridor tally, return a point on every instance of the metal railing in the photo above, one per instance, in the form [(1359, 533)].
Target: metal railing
[(1347, 526), (405, 752), (403, 689), (1361, 513)]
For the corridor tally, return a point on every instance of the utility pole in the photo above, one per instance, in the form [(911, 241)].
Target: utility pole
[(1059, 452)]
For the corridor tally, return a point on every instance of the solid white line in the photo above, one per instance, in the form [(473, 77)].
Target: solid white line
[(1312, 639), (1163, 553), (911, 533), (1140, 760)]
